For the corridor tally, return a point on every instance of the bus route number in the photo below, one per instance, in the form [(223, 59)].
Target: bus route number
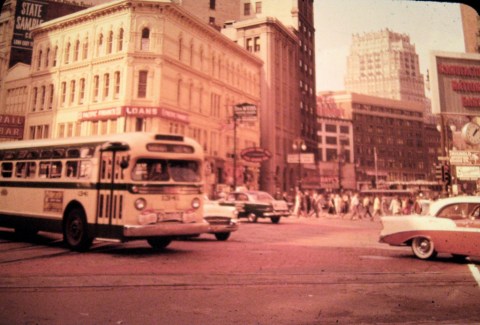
[(169, 198)]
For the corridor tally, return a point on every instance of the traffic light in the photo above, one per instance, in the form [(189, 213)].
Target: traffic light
[(447, 175), (439, 172)]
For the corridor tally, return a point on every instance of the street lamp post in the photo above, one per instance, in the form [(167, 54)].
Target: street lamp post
[(299, 146), (341, 160)]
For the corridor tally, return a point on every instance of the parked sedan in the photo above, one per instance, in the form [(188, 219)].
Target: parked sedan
[(451, 225), (257, 204), (222, 219)]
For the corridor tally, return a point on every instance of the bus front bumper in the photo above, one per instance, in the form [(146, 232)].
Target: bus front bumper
[(170, 228)]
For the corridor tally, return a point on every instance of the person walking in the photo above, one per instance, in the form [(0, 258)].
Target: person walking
[(338, 205), (366, 207), (396, 206), (298, 203), (377, 207), (355, 205)]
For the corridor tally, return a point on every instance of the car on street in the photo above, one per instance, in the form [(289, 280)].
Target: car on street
[(257, 204), (222, 220), (450, 225)]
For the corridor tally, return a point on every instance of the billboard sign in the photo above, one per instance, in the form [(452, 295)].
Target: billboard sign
[(455, 83), (29, 14), (303, 158), (12, 126), (468, 173), (136, 111)]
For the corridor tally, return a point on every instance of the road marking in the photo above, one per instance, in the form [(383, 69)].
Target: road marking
[(475, 273)]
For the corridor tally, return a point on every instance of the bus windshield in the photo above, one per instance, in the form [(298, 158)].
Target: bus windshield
[(164, 170)]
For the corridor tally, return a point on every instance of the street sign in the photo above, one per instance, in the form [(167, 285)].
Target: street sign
[(255, 154), (305, 158), (468, 173), (464, 158), (245, 112)]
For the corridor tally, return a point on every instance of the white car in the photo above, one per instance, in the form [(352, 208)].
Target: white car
[(222, 220), (451, 225)]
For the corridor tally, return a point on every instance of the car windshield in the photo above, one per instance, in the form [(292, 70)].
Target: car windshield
[(261, 196), (163, 170)]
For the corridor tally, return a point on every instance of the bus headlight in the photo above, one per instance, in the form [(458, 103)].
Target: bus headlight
[(196, 203), (140, 204)]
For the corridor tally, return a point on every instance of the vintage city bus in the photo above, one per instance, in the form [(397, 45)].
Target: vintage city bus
[(124, 187)]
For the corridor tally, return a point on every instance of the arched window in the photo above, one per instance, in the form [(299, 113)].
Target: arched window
[(116, 85), (145, 45), (34, 99), (180, 47), (85, 49), (76, 50), (55, 53), (67, 53), (192, 52), (142, 84), (120, 40), (47, 57), (201, 58), (50, 97), (100, 44), (39, 62), (42, 98), (179, 90), (81, 94), (110, 42)]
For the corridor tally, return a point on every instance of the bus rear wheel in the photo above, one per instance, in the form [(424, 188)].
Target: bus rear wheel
[(75, 230), (159, 243)]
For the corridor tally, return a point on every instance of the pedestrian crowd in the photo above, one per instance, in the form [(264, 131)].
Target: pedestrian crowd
[(350, 205)]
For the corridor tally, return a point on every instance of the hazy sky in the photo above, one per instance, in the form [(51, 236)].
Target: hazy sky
[(430, 25)]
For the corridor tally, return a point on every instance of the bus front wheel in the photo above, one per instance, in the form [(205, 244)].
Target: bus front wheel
[(75, 230), (159, 243)]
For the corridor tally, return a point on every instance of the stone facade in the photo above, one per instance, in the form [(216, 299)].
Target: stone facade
[(145, 66)]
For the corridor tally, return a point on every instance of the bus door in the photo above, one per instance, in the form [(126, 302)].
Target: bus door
[(114, 158)]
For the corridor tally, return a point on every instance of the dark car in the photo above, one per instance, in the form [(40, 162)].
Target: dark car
[(257, 204)]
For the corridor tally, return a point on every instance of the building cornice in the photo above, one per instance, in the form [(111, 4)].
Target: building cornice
[(161, 6), (272, 21)]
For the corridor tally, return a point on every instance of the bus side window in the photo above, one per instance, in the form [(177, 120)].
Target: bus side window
[(31, 169), (56, 169), (7, 170), (44, 170), (20, 170), (72, 169), (85, 169)]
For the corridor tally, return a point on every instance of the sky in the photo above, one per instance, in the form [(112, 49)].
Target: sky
[(431, 26)]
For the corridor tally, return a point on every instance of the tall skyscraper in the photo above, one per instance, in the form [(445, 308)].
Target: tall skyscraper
[(384, 64)]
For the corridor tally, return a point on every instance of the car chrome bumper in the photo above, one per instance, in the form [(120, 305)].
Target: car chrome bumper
[(273, 214), (166, 229), (212, 229)]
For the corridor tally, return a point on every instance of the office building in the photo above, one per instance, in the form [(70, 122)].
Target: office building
[(145, 66)]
